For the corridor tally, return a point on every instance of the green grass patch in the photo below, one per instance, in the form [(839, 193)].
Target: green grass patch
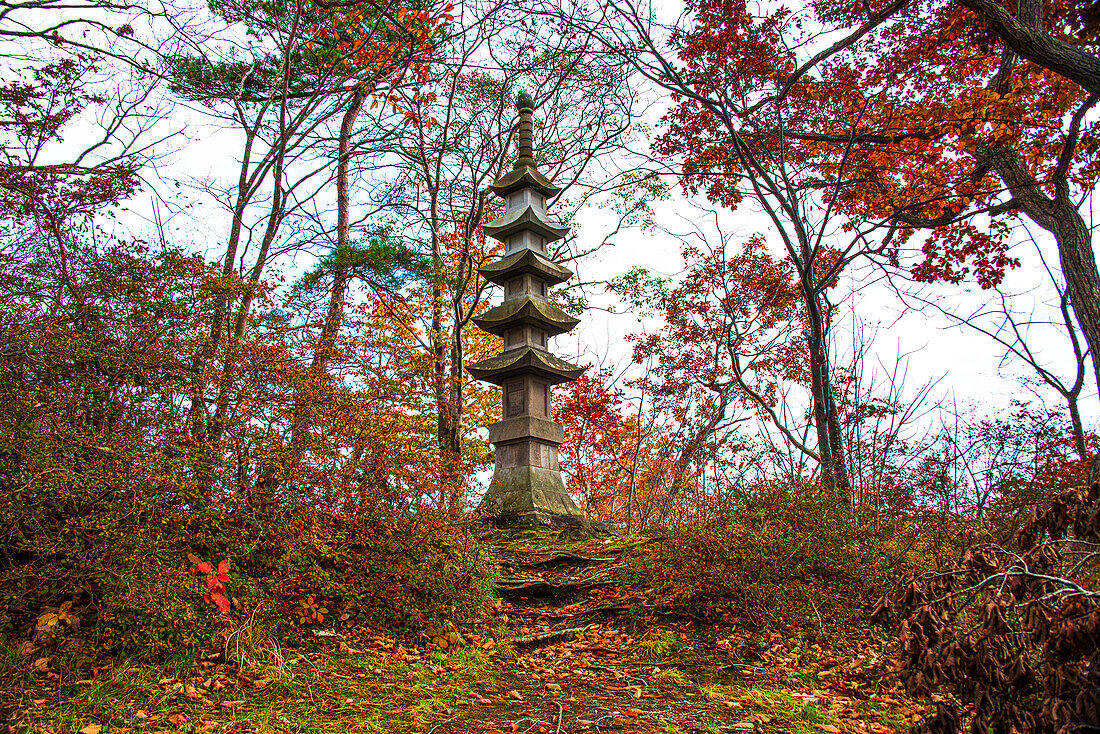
[(317, 692), (656, 644)]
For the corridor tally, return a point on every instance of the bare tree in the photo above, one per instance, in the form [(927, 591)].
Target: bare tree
[(1022, 335)]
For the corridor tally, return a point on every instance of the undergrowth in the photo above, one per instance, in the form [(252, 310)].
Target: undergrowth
[(787, 555)]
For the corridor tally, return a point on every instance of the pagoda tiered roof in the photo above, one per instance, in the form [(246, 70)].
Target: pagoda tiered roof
[(526, 218), (525, 261), (523, 176), (525, 361), (526, 311)]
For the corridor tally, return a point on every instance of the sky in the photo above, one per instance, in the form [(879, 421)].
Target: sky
[(965, 367)]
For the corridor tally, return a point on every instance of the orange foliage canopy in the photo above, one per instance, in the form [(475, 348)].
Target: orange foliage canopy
[(909, 115), (618, 467), (378, 49), (733, 314)]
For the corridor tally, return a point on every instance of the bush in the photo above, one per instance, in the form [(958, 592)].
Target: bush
[(409, 571), (787, 555), (1011, 633), (128, 584)]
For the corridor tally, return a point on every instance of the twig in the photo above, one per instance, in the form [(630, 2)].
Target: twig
[(446, 721), (538, 637), (820, 625)]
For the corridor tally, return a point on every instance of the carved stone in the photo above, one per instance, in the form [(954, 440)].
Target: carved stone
[(527, 486)]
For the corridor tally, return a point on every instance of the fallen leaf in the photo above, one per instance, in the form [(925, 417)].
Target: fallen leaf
[(632, 712), (92, 729), (829, 728), (231, 704), (262, 682), (514, 695)]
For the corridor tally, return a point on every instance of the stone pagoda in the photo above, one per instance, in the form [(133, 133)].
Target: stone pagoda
[(527, 484)]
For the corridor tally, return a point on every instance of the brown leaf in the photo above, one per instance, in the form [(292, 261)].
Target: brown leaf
[(92, 729)]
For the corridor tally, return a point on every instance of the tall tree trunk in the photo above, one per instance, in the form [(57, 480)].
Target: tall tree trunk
[(334, 315), (450, 425), (196, 417), (1058, 215), (1079, 268), (439, 354), (834, 475), (341, 273)]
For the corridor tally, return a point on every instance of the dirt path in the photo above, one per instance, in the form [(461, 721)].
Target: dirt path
[(589, 656)]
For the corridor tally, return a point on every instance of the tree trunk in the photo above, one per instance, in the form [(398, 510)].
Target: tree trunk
[(450, 424), (1078, 430), (438, 354), (1079, 269), (334, 318), (834, 475), (341, 275), (1059, 216)]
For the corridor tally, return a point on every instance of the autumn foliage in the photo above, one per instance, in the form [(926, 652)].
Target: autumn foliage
[(1011, 632), (898, 140)]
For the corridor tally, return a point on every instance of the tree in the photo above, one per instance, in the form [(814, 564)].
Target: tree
[(730, 80), (734, 337), (948, 134), (297, 71), (45, 187), (596, 455)]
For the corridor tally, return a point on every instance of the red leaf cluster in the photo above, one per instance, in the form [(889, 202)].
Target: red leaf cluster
[(215, 581)]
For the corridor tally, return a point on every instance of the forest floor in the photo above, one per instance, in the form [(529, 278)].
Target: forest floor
[(567, 649)]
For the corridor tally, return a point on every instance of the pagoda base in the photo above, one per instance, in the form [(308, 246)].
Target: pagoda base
[(529, 494)]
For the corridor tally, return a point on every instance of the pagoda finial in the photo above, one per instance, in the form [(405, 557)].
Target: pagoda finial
[(526, 108)]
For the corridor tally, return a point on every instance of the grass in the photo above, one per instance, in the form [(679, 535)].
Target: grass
[(656, 644), (669, 678), (325, 691)]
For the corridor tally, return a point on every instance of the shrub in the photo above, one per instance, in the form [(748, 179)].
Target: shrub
[(1013, 633), (789, 554), (132, 580)]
